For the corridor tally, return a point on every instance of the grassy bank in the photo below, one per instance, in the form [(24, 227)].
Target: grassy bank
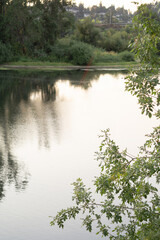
[(65, 66), (38, 63)]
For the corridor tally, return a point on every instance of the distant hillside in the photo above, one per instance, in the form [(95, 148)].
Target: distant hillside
[(101, 14)]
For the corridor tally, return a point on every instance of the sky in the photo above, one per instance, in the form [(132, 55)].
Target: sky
[(128, 4)]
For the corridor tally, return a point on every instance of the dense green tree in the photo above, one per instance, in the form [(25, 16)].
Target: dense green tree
[(51, 18), (3, 5), (128, 185), (26, 31), (67, 24), (29, 25), (87, 32), (114, 40)]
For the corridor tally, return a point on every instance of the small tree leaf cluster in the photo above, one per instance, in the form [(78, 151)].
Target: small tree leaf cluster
[(143, 82)]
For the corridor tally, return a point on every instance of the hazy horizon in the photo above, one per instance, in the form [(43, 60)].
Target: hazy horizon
[(129, 5)]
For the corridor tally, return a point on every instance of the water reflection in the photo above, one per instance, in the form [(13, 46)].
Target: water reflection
[(11, 172), (31, 95), (49, 123), (27, 99), (16, 85)]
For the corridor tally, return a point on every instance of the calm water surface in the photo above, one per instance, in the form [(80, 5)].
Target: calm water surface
[(49, 127)]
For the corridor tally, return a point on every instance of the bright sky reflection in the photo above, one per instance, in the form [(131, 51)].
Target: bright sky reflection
[(35, 96)]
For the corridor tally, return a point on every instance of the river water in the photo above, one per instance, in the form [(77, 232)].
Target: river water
[(49, 127)]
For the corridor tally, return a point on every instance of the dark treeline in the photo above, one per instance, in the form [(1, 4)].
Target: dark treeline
[(52, 31), (28, 26)]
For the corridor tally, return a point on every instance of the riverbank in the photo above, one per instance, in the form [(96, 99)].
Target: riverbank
[(66, 66)]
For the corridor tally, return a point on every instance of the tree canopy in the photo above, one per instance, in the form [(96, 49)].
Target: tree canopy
[(32, 25)]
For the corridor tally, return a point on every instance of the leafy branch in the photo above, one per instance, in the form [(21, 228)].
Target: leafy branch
[(130, 185)]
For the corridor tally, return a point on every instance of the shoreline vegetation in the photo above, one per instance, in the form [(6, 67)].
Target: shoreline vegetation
[(83, 56), (48, 35), (51, 44)]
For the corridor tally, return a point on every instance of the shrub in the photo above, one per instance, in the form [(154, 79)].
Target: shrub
[(81, 53), (73, 51), (60, 51), (105, 57), (40, 54), (6, 53), (126, 56), (117, 42)]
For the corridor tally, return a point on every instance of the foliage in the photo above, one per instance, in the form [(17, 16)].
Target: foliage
[(105, 57), (81, 54), (6, 53), (54, 17), (36, 25), (128, 185), (121, 41), (86, 31), (116, 41), (127, 179), (40, 54), (60, 51), (39, 24), (76, 52), (126, 56), (110, 40), (144, 81)]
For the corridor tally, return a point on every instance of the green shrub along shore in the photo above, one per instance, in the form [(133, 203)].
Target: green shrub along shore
[(67, 53)]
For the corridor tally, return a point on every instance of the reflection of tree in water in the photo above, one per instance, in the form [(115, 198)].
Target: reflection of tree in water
[(19, 90), (16, 92), (17, 106), (18, 85), (11, 172), (15, 86)]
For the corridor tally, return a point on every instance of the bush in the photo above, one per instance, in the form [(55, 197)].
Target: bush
[(126, 56), (6, 53), (76, 52), (81, 53), (117, 42), (60, 51), (87, 32), (40, 54), (105, 57)]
